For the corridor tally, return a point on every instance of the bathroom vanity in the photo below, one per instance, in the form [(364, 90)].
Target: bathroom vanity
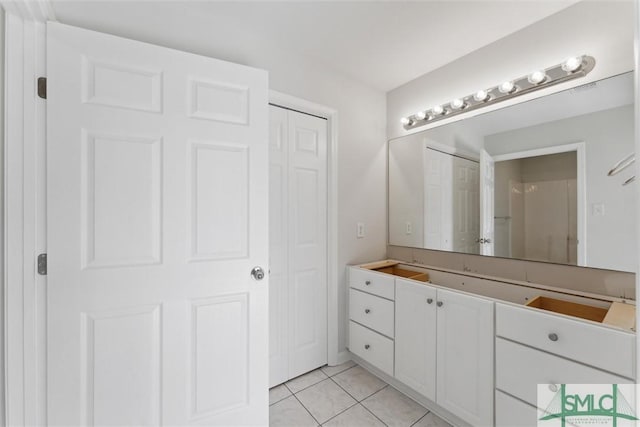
[(473, 348)]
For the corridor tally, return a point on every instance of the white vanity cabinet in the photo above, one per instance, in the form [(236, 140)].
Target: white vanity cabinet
[(475, 356), (444, 348), (371, 317), (534, 348)]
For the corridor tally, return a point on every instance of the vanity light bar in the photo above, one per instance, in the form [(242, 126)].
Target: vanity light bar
[(572, 68)]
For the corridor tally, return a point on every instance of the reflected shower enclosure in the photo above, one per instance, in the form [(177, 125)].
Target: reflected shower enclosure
[(536, 208)]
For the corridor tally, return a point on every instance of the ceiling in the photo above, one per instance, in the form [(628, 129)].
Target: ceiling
[(383, 44)]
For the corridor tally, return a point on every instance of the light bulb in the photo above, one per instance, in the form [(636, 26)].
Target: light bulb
[(405, 121), (438, 110), (507, 87), (481, 96), (420, 115), (457, 104), (537, 77), (572, 64)]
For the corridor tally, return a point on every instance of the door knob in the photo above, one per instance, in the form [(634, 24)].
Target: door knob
[(257, 273)]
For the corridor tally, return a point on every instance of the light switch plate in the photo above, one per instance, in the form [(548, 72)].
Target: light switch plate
[(408, 228), (360, 230)]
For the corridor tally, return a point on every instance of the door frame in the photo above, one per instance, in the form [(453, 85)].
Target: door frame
[(581, 185), (24, 214), (334, 355)]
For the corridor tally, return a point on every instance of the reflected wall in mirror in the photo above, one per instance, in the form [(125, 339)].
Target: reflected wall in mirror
[(527, 181)]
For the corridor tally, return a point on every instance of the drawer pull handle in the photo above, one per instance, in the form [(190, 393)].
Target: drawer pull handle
[(439, 303), (368, 282), (553, 337), (429, 300), (366, 310), (367, 346)]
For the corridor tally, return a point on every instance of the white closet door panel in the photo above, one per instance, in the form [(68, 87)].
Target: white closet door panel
[(278, 241), (152, 158), (307, 137)]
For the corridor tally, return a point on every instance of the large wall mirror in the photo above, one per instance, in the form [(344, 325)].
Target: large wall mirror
[(528, 181)]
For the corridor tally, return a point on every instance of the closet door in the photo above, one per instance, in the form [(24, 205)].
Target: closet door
[(278, 242), (298, 209)]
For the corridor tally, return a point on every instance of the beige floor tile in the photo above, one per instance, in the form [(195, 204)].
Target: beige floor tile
[(359, 383), (290, 413), (306, 380), (356, 416), (333, 370), (394, 408), (277, 393), (431, 420), (325, 400)]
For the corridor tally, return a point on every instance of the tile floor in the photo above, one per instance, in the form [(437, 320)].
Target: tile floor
[(345, 395)]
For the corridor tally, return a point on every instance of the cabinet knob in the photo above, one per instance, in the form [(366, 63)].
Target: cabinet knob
[(366, 310), (553, 388), (367, 346), (429, 300), (368, 282), (439, 303), (553, 337)]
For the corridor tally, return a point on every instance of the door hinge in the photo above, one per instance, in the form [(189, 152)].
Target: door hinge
[(42, 87), (42, 264)]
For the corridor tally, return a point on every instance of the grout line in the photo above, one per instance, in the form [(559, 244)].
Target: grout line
[(280, 400), (356, 399), (339, 372), (305, 408), (341, 412), (319, 369), (419, 419), (371, 412)]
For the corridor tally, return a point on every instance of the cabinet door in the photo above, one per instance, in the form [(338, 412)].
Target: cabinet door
[(465, 331), (415, 337)]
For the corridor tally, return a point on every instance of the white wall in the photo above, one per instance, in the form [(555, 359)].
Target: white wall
[(603, 29), (608, 137)]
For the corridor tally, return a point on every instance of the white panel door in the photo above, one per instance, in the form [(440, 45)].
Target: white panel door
[(466, 206), (157, 212), (415, 337), (278, 243), (298, 245), (307, 242), (465, 331), (438, 200), (487, 188)]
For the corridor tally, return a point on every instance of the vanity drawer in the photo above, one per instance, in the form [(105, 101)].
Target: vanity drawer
[(519, 369), (511, 412), (598, 346), (372, 311), (372, 347), (372, 282)]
